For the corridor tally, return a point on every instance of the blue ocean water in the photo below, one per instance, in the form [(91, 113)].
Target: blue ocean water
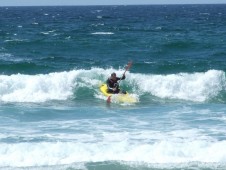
[(53, 60)]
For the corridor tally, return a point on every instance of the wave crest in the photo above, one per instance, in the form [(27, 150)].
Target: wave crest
[(197, 87)]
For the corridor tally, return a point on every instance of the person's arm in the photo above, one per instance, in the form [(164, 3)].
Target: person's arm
[(123, 77), (109, 84)]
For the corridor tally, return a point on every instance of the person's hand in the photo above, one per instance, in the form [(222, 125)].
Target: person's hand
[(114, 89)]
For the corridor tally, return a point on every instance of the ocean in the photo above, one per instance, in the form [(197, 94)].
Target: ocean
[(54, 59)]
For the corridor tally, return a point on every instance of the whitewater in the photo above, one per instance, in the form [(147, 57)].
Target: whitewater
[(197, 87), (58, 135)]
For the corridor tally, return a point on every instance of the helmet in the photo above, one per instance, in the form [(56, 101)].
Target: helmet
[(113, 74)]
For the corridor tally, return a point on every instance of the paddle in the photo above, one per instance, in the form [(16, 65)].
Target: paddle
[(126, 69)]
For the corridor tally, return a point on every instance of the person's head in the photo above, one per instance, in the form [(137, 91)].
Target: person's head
[(113, 75)]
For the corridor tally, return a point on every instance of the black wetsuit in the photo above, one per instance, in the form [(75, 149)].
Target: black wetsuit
[(114, 84)]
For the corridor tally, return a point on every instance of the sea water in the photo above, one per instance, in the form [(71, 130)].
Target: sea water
[(54, 59)]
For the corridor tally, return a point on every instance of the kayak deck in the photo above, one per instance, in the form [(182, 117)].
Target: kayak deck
[(122, 98)]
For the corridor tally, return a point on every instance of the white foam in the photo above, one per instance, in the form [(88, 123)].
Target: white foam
[(59, 153), (45, 33), (16, 40), (129, 100), (10, 57), (36, 88), (102, 33), (5, 56), (52, 86), (194, 87)]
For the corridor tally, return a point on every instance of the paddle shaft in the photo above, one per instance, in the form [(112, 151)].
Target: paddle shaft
[(127, 68)]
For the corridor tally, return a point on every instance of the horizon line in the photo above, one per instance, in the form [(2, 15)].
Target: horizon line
[(49, 5)]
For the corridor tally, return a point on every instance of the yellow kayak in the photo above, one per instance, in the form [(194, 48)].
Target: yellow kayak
[(122, 98)]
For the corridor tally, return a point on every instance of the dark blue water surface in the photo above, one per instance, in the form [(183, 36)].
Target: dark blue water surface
[(174, 38)]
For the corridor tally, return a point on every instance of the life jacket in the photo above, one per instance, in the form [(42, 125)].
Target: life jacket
[(113, 83)]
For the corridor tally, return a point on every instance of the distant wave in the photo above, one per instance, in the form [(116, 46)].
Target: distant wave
[(102, 33), (17, 40), (9, 57)]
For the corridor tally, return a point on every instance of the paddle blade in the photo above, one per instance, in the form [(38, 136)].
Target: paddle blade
[(129, 65), (109, 99)]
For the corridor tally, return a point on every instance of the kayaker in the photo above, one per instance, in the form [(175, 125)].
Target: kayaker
[(113, 85)]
